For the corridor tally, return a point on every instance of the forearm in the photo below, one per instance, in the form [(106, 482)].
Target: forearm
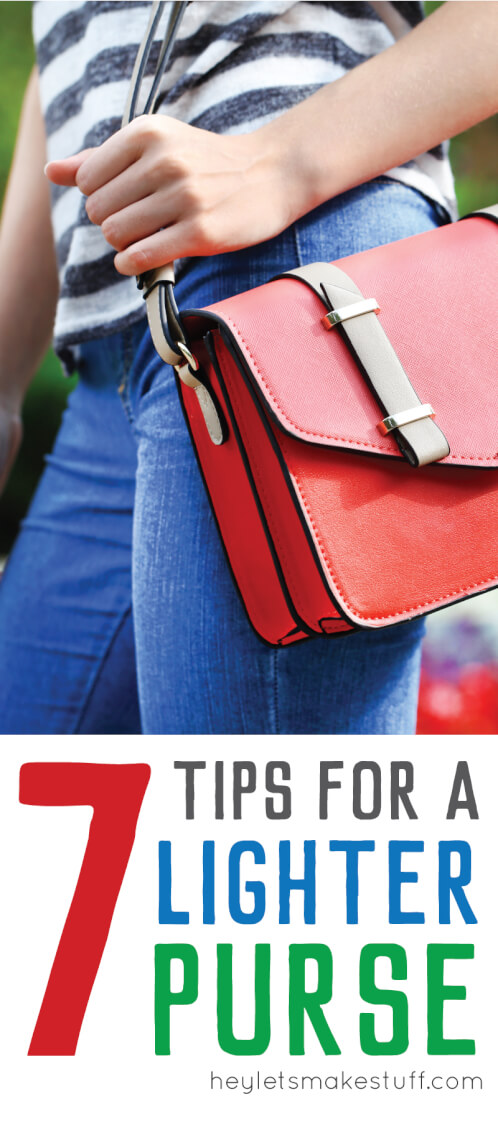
[(437, 81), (161, 189), (28, 273)]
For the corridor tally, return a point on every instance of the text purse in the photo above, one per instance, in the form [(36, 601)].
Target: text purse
[(344, 417)]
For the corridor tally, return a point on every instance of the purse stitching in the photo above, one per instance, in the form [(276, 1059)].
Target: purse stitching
[(379, 617), (332, 576), (310, 433), (335, 437)]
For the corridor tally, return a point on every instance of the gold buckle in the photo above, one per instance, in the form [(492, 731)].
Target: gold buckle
[(337, 316), (415, 414)]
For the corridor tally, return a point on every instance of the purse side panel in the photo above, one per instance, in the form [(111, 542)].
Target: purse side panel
[(239, 521), (303, 577)]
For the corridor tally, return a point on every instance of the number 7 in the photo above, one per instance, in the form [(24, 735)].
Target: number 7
[(116, 793)]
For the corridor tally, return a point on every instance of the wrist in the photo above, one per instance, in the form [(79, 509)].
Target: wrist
[(304, 177), (271, 167)]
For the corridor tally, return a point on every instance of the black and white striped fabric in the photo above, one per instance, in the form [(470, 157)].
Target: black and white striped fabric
[(235, 66)]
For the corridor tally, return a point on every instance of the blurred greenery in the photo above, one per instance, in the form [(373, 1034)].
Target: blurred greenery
[(47, 395), (474, 157)]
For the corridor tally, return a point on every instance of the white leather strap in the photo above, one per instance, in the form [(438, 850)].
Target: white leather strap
[(157, 313), (486, 212), (421, 441)]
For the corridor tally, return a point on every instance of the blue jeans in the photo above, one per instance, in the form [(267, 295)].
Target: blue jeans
[(117, 610)]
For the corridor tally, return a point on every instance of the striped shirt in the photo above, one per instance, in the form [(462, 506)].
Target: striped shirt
[(235, 66)]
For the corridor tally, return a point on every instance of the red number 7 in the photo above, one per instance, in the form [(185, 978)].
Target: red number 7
[(116, 793)]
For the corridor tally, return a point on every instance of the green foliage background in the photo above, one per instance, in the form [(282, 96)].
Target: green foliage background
[(475, 163), (47, 395)]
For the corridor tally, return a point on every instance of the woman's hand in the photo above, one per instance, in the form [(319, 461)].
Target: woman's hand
[(160, 189)]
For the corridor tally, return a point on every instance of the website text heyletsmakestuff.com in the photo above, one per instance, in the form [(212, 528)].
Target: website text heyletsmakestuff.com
[(343, 1081)]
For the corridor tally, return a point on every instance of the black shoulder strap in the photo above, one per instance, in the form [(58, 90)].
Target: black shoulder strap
[(174, 20)]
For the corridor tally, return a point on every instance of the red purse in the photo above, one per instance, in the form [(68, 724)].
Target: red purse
[(344, 420)]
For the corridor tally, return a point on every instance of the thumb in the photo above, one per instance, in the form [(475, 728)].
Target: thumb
[(63, 172)]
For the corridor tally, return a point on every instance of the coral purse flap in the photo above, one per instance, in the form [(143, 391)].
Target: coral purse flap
[(436, 295)]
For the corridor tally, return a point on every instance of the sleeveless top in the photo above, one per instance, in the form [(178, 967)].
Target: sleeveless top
[(235, 66)]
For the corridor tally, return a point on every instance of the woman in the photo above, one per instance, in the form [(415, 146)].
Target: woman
[(287, 133)]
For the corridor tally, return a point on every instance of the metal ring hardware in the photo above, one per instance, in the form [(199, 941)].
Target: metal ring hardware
[(187, 355), (337, 316), (394, 421)]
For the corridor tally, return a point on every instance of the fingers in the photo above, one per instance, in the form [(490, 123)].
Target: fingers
[(112, 158), (157, 197), (115, 196), (139, 220), (90, 169), (63, 172), (152, 252)]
